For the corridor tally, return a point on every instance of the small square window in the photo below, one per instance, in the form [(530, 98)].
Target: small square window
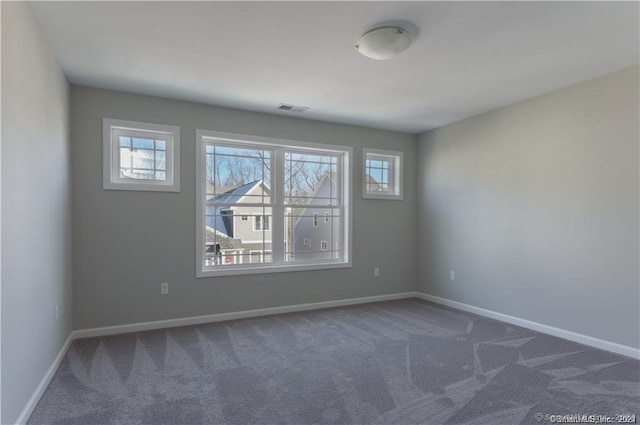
[(382, 177), (140, 156), (261, 223)]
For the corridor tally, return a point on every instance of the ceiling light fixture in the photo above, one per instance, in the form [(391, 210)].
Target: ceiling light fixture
[(384, 43)]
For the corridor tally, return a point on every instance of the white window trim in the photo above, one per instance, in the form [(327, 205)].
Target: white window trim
[(111, 179), (398, 175), (277, 247)]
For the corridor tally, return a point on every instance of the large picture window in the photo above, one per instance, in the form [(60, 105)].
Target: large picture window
[(259, 203)]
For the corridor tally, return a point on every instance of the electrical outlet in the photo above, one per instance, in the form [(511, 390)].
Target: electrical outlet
[(164, 288), (452, 275), (376, 271)]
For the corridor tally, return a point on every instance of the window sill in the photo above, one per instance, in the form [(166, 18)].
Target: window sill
[(390, 197), (243, 270), (144, 187)]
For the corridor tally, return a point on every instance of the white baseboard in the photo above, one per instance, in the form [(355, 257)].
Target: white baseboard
[(624, 350), (37, 394), (211, 318)]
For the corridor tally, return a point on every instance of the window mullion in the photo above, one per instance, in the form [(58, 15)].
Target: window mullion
[(277, 200), (201, 190), (115, 155)]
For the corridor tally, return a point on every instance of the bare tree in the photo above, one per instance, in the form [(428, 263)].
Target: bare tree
[(227, 172), (302, 177)]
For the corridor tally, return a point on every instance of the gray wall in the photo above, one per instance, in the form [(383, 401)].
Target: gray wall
[(125, 243), (36, 220), (535, 206)]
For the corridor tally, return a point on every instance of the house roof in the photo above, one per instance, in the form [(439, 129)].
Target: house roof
[(219, 189), (232, 196), (374, 184), (225, 241)]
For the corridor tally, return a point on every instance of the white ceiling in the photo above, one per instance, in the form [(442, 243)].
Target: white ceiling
[(467, 58)]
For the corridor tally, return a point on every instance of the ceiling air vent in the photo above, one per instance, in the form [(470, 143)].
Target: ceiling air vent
[(291, 108)]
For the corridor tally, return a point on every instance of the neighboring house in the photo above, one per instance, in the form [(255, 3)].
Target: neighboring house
[(220, 247), (316, 231), (237, 233)]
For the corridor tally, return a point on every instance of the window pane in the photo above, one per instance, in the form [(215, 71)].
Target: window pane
[(304, 241), (385, 180), (311, 179), (231, 240), (377, 176), (238, 175), (140, 164), (255, 256), (161, 145), (125, 158), (161, 160), (142, 158), (125, 141), (142, 143)]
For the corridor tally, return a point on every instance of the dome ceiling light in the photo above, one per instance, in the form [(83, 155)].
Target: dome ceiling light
[(384, 43)]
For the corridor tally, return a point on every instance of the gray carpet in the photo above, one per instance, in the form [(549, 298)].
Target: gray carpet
[(396, 362)]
